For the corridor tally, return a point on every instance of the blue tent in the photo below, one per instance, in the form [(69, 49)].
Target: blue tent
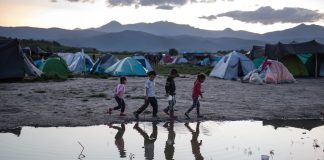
[(127, 67), (103, 63), (145, 63)]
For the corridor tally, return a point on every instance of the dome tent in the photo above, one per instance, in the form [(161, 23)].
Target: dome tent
[(232, 66), (145, 63), (127, 67), (103, 63)]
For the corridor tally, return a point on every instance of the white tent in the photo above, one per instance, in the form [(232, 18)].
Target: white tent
[(78, 62), (232, 66), (145, 63), (179, 60)]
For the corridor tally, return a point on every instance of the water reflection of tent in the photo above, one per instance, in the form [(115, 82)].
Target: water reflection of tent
[(15, 131), (303, 124)]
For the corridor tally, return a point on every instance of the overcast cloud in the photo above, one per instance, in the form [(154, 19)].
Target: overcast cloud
[(268, 15), (159, 4)]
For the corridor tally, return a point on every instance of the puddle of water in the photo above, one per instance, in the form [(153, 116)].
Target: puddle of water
[(244, 140)]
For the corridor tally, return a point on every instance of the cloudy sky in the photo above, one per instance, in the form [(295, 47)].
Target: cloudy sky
[(258, 16)]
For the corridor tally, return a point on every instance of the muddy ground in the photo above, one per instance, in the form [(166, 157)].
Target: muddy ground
[(84, 101)]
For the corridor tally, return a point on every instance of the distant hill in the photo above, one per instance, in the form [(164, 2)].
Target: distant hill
[(164, 28), (301, 32), (141, 41), (45, 34), (160, 36)]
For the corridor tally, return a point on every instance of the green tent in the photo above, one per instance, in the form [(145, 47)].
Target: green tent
[(127, 67), (55, 66), (295, 66), (258, 61)]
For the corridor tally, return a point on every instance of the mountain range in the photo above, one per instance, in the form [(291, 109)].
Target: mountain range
[(161, 36)]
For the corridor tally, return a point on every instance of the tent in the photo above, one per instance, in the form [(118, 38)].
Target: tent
[(166, 59), (81, 62), (179, 60), (103, 63), (127, 67), (232, 66), (13, 62), (145, 63), (270, 71), (276, 72), (68, 57), (78, 62), (313, 48), (295, 66), (55, 66)]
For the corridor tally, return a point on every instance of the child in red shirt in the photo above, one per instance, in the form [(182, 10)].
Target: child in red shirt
[(196, 92)]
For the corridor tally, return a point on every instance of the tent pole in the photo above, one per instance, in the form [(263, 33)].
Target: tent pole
[(316, 66)]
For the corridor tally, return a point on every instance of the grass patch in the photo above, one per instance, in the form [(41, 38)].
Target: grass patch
[(183, 69), (99, 95)]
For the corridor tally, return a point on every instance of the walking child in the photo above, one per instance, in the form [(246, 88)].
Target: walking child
[(149, 96), (119, 97), (196, 92), (170, 89)]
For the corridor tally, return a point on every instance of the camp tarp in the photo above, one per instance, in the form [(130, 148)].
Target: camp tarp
[(257, 52), (280, 50), (13, 63), (103, 63), (258, 61), (232, 66), (127, 67), (55, 66), (311, 63), (145, 63)]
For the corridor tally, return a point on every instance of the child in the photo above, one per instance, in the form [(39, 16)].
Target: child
[(196, 92), (170, 89), (119, 93), (149, 96)]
